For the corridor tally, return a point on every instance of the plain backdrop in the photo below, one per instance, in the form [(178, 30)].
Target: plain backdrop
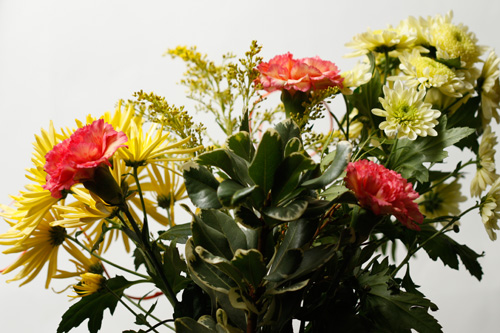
[(61, 60)]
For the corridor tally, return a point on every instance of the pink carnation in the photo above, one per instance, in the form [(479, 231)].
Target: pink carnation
[(384, 191), (74, 160), (284, 72)]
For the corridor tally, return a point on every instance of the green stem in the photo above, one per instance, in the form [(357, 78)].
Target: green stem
[(441, 231), (386, 68), (107, 261), (145, 228), (337, 121), (161, 322), (452, 174)]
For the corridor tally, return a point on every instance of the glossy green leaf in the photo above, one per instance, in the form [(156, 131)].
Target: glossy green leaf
[(288, 175), (201, 186), (288, 264), (266, 160), (92, 307), (288, 130), (294, 145), (226, 191), (189, 325), (292, 211), (233, 165), (178, 233), (251, 264), (241, 144), (339, 163), (247, 218)]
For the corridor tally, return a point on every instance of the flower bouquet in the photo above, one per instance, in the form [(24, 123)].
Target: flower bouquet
[(280, 227)]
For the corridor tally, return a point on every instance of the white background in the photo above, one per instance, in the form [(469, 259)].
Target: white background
[(61, 60)]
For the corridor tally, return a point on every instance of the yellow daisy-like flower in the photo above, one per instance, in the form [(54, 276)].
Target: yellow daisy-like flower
[(489, 88), (90, 283), (82, 263), (39, 248), (407, 115), (443, 200), (424, 72), (489, 210), (391, 40), (418, 27), (454, 41), (486, 169)]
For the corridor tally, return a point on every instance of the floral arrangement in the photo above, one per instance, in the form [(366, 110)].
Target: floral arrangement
[(280, 227)]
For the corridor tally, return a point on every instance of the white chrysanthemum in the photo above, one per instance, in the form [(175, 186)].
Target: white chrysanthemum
[(424, 72), (454, 41), (390, 40), (490, 210), (407, 115), (489, 88), (356, 77), (443, 200), (486, 170)]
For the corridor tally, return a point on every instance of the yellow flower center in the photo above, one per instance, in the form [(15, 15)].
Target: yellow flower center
[(456, 42), (435, 68), (405, 113)]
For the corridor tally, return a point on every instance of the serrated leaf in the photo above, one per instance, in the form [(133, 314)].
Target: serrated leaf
[(395, 311), (241, 144), (342, 156), (266, 160), (448, 251), (409, 156), (173, 266), (290, 212), (92, 307), (201, 186)]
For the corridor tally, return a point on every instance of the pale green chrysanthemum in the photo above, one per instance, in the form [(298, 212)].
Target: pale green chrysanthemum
[(391, 40), (356, 77), (489, 88), (454, 41), (407, 115), (489, 209), (486, 169), (443, 200), (424, 72)]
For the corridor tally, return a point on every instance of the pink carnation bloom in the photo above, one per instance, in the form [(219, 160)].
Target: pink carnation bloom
[(384, 192), (284, 72), (74, 160)]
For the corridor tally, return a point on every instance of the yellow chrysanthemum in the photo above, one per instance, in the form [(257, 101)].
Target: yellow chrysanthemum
[(418, 27), (489, 210), (454, 41), (391, 40), (489, 88), (407, 115), (443, 200), (90, 283), (486, 169), (39, 248), (424, 72)]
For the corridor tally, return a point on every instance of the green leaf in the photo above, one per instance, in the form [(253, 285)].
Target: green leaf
[(266, 160), (342, 156), (233, 165), (290, 212), (452, 63), (288, 175), (218, 233), (393, 310), (178, 233), (288, 130), (251, 264), (201, 186), (247, 218), (92, 307), (173, 266), (294, 145), (448, 251), (241, 144), (189, 325), (409, 156), (226, 191), (365, 97), (288, 264)]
